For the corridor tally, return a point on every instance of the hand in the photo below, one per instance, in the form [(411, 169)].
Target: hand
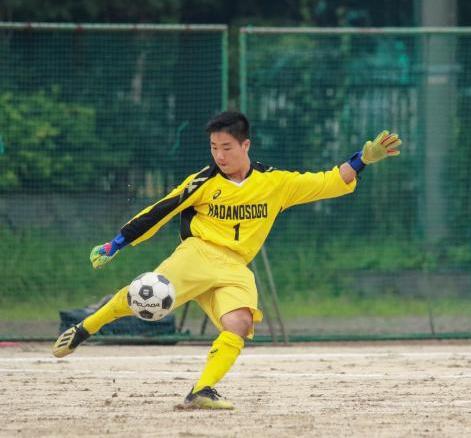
[(103, 254), (383, 146)]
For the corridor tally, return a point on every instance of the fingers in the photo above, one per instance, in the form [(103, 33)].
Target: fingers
[(389, 139), (95, 257), (381, 136), (394, 145), (95, 261), (384, 145), (391, 142), (98, 262)]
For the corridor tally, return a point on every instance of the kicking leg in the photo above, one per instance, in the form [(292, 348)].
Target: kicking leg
[(115, 308)]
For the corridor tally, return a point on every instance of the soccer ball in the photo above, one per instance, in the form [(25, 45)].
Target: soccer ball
[(151, 296)]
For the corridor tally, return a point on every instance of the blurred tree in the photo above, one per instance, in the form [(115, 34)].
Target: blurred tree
[(46, 140), (279, 12), (91, 10)]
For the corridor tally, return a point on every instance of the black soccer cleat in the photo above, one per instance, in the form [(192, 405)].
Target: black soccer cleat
[(68, 341), (206, 398)]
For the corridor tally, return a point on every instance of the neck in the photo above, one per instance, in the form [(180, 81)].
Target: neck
[(241, 174)]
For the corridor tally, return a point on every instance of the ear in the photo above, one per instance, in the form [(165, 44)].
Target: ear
[(246, 145)]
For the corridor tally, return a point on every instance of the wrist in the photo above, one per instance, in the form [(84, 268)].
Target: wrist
[(356, 162), (118, 243), (115, 245)]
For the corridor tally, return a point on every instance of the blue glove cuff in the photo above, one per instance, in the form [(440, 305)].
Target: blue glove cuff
[(109, 249), (356, 163), (118, 242)]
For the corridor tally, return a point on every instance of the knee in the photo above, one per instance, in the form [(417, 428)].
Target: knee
[(239, 321)]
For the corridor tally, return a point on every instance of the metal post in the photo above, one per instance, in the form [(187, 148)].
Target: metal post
[(243, 70), (204, 324), (224, 71), (263, 303), (183, 318), (438, 98), (274, 294)]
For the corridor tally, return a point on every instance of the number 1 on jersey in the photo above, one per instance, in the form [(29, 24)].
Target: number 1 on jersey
[(236, 228)]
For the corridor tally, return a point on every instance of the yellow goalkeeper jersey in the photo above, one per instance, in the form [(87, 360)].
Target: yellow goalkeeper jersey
[(238, 216)]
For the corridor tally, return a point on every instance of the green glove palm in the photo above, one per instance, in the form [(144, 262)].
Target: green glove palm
[(99, 256), (103, 254), (383, 146)]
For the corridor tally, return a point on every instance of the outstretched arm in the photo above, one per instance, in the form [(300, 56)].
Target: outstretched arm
[(140, 227), (383, 146), (146, 223)]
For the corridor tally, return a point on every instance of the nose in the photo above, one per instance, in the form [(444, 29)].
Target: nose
[(219, 156)]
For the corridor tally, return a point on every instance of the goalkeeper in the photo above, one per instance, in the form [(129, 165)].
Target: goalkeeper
[(227, 210)]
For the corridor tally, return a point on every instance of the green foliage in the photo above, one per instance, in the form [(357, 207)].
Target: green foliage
[(102, 111), (331, 269), (275, 12), (53, 271), (46, 141)]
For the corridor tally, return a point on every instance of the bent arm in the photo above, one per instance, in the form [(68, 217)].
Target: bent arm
[(142, 226)]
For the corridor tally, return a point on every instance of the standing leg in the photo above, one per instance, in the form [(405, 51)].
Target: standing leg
[(226, 347), (232, 307), (224, 351)]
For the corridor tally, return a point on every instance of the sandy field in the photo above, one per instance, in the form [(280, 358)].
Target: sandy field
[(311, 390)]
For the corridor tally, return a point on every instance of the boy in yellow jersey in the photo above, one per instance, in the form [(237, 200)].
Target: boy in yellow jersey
[(227, 210)]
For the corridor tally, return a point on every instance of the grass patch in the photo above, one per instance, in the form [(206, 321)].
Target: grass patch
[(43, 273), (372, 306), (298, 307)]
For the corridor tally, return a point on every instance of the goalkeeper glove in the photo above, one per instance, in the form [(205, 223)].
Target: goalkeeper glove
[(383, 146), (103, 254)]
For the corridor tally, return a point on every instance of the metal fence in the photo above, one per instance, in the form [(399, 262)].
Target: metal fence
[(395, 257), (97, 121)]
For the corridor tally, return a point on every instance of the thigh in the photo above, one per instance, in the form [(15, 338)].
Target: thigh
[(189, 272), (237, 290)]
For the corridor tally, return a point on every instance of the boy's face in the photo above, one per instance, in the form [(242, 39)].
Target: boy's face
[(230, 155)]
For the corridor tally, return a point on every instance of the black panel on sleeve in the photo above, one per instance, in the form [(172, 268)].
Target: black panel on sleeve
[(143, 223), (138, 226)]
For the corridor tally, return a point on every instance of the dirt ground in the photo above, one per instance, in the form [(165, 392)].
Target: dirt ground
[(326, 390)]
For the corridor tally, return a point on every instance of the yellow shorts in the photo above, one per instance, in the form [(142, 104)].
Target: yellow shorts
[(215, 277)]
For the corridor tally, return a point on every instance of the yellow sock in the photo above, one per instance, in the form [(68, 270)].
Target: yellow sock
[(221, 357), (115, 308)]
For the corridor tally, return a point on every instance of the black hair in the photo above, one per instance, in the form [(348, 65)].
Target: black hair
[(232, 122)]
